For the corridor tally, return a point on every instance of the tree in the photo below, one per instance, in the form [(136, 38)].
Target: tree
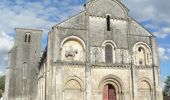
[(1, 93), (2, 85), (167, 87)]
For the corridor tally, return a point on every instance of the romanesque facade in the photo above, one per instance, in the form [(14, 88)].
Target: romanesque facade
[(99, 54)]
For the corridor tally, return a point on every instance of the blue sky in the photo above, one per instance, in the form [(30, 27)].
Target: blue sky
[(43, 14)]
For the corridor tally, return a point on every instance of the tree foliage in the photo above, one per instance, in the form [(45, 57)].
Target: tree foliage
[(167, 86), (2, 85)]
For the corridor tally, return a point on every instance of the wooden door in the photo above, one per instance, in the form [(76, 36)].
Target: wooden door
[(109, 92)]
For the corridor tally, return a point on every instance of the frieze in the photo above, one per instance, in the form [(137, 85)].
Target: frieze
[(123, 66)]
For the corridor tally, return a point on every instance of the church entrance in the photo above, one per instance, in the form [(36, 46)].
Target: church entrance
[(109, 92)]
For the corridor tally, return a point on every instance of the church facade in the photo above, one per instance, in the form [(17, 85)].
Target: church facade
[(99, 54)]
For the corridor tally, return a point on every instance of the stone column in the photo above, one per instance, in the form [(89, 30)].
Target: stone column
[(57, 68), (88, 81), (156, 70), (134, 82)]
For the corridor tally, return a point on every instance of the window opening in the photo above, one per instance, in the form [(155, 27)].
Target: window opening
[(108, 22)]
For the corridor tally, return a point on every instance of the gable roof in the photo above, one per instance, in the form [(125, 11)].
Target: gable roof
[(70, 21), (141, 29)]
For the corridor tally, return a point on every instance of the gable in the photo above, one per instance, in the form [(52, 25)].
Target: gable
[(102, 7), (137, 29), (77, 21)]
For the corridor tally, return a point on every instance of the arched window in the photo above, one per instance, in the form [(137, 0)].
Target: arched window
[(108, 22), (108, 54), (142, 54), (29, 38), (24, 70), (25, 38), (109, 92)]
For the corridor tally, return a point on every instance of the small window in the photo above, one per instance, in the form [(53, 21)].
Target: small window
[(108, 54), (29, 38), (24, 70), (140, 49), (108, 22), (25, 38)]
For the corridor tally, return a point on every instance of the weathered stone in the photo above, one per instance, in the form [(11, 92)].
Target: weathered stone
[(87, 53)]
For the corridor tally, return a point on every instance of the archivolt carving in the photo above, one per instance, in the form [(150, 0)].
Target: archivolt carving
[(111, 49), (112, 79), (116, 82), (142, 54), (144, 89), (72, 48), (73, 82)]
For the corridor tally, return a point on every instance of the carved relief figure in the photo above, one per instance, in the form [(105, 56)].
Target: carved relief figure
[(72, 49), (71, 53)]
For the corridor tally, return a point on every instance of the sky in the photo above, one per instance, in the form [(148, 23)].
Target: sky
[(43, 14)]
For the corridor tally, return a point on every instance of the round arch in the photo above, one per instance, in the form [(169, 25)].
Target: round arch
[(78, 39), (112, 51), (109, 42), (116, 82), (147, 80), (76, 78), (73, 88), (145, 89), (142, 54), (141, 44)]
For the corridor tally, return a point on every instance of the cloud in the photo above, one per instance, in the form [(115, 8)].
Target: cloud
[(39, 14), (6, 44), (155, 11), (35, 14), (164, 53), (2, 73), (162, 33)]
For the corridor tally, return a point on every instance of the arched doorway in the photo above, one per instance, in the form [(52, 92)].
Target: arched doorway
[(109, 92)]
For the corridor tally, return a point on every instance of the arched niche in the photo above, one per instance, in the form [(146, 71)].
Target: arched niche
[(72, 49), (73, 89), (108, 50), (144, 89), (142, 54), (103, 7)]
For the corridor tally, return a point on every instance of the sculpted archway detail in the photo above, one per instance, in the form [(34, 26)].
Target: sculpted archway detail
[(73, 89), (109, 51), (142, 54), (111, 88), (144, 89), (72, 49)]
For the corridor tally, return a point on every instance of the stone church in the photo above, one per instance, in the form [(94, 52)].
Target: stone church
[(100, 53)]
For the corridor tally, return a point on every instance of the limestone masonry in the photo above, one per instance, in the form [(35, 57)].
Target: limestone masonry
[(99, 54)]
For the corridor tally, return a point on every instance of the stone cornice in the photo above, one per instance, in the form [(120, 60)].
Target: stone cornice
[(114, 18)]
